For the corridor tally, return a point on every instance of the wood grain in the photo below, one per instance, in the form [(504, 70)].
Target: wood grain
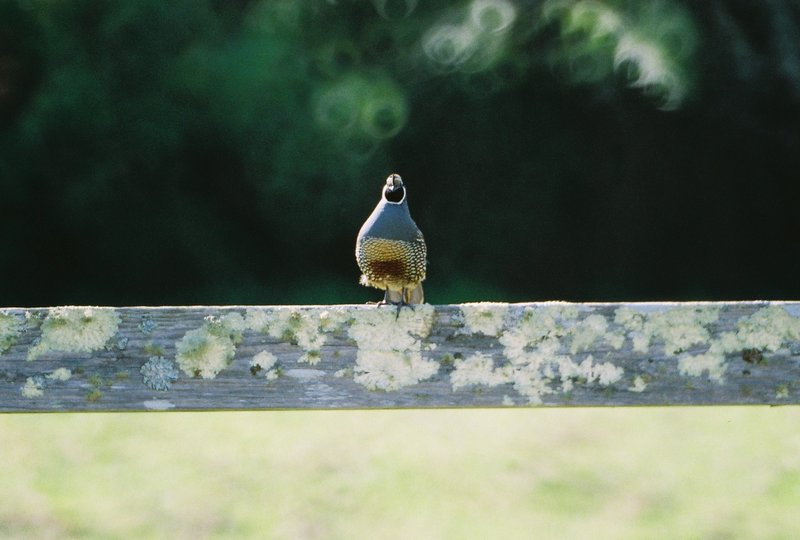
[(333, 357)]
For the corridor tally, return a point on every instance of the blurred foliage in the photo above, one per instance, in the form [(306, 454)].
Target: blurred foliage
[(551, 473), (219, 152)]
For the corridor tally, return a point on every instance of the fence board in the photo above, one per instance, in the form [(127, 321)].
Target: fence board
[(466, 355)]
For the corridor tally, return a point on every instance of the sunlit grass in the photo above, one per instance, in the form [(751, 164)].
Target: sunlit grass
[(566, 473)]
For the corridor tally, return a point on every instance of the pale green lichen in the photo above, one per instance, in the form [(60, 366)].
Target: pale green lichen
[(307, 328), (639, 384), (678, 328), (265, 361), (767, 329), (542, 327), (540, 345), (478, 369), (344, 372), (75, 330), (587, 372), (483, 318), (332, 320), (60, 374), (209, 349), (712, 364), (34, 386), (10, 329), (535, 350), (590, 330), (257, 319), (389, 347)]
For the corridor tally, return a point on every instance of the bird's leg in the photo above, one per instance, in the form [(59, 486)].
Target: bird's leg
[(385, 300), (403, 302)]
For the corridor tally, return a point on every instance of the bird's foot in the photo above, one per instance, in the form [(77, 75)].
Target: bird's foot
[(399, 305)]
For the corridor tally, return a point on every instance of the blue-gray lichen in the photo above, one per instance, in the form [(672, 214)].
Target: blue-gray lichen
[(147, 325), (75, 330), (158, 373), (209, 349)]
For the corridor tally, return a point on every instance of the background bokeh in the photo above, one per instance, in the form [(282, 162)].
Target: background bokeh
[(210, 151), (608, 474)]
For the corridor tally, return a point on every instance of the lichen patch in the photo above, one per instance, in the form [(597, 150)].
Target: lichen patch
[(711, 364), (306, 328), (535, 348), (158, 373), (75, 330), (389, 347), (483, 318), (207, 350), (265, 361), (678, 328), (478, 369), (34, 386), (590, 330), (588, 372), (767, 329), (10, 329), (60, 374), (639, 384)]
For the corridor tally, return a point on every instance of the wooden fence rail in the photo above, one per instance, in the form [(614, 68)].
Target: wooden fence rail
[(466, 355)]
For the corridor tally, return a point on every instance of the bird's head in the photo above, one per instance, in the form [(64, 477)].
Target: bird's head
[(393, 191)]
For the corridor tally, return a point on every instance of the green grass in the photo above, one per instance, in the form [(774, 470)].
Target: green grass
[(533, 473)]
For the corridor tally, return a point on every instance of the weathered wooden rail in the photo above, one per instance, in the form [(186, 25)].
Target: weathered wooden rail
[(467, 355)]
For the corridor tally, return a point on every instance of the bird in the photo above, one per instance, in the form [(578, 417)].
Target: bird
[(390, 249)]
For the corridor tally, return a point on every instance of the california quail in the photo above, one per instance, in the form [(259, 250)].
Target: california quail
[(390, 249)]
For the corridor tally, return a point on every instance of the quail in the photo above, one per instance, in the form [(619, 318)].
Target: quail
[(390, 249)]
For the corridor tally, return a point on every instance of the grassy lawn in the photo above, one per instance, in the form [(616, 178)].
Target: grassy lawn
[(534, 473)]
